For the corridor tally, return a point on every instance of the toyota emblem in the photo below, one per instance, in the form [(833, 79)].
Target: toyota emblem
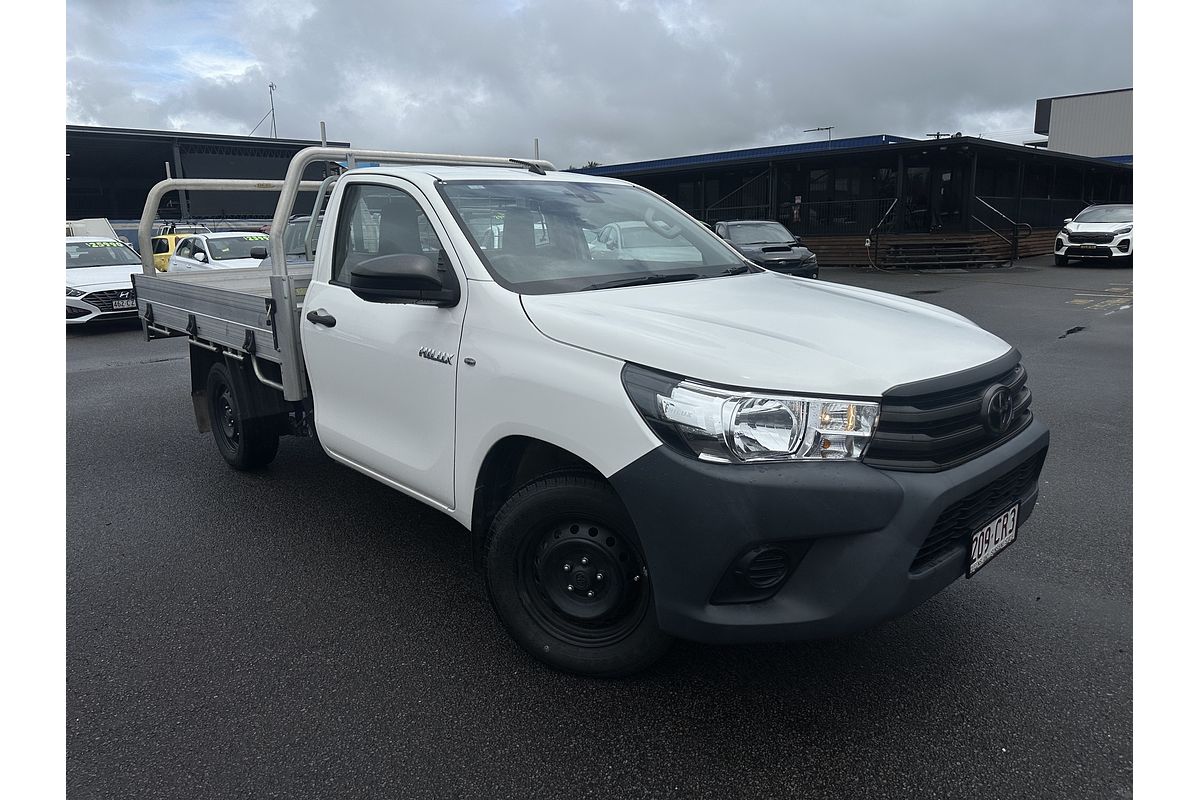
[(996, 409)]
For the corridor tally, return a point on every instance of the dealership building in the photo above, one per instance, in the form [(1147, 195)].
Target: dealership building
[(954, 201), (110, 172)]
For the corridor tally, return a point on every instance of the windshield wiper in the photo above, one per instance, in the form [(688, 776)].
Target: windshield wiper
[(734, 270), (654, 277)]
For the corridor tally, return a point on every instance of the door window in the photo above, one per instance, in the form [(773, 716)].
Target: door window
[(186, 248), (377, 221), (161, 246)]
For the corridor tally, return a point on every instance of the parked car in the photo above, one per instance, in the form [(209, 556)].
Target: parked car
[(666, 442), (98, 284), (638, 241), (167, 239), (1098, 232), (218, 251), (769, 244)]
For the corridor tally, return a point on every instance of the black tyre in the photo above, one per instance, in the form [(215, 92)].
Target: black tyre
[(566, 577), (245, 444), (1061, 261)]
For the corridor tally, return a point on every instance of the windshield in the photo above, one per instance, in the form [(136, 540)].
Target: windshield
[(100, 254), (545, 237), (231, 247), (1105, 214), (759, 233), (293, 237)]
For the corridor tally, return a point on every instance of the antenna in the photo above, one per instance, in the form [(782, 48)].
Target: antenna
[(823, 128), (271, 87)]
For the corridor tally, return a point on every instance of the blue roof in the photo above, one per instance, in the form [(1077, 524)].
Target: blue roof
[(776, 151)]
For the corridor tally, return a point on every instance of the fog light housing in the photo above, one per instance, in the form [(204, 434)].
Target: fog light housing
[(758, 573), (1059, 244), (1123, 246)]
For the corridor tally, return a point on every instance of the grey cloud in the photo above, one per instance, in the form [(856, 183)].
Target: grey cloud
[(615, 81)]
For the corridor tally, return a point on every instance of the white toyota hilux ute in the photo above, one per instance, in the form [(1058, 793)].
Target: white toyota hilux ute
[(647, 444)]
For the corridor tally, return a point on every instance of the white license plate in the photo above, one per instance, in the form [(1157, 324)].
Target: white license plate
[(124, 304), (989, 540), (1088, 246)]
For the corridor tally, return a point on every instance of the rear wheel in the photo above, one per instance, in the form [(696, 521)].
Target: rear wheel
[(567, 579), (1061, 261), (244, 443)]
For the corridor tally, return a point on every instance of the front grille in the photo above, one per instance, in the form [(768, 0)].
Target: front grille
[(104, 300), (939, 430), (1089, 238), (1090, 252), (976, 510)]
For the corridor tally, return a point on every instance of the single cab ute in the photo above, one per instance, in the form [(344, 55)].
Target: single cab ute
[(643, 442)]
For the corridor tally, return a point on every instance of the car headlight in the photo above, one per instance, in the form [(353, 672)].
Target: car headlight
[(1121, 231), (74, 292), (736, 426), (1064, 232)]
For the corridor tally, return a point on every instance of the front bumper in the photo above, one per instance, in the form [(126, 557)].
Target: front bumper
[(862, 527), (80, 312), (1120, 247), (102, 304)]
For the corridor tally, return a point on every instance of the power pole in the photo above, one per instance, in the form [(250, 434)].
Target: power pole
[(271, 87), (535, 149)]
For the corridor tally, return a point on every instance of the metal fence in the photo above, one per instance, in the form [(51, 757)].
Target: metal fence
[(1038, 212), (834, 217)]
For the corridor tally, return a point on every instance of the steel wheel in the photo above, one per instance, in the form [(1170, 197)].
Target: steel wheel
[(582, 582), (566, 576)]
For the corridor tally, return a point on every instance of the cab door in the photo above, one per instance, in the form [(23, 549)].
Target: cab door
[(181, 261), (383, 374)]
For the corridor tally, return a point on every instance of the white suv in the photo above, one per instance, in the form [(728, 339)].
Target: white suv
[(1096, 232)]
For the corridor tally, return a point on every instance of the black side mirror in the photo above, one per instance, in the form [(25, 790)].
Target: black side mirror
[(406, 278), (258, 252)]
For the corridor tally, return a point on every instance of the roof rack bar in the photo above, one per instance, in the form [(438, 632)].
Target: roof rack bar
[(311, 155), (150, 210)]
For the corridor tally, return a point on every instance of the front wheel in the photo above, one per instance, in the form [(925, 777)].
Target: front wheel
[(244, 443), (1061, 261), (567, 578)]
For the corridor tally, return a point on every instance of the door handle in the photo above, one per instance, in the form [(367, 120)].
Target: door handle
[(321, 317)]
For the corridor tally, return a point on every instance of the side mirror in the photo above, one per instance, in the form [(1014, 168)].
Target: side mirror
[(199, 256), (406, 278), (1068, 219), (258, 252)]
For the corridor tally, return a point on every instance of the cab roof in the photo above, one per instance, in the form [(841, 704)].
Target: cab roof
[(465, 173)]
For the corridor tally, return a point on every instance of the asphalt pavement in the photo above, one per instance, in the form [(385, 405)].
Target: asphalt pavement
[(308, 633)]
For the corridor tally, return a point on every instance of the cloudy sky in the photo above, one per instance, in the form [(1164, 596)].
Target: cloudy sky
[(605, 80)]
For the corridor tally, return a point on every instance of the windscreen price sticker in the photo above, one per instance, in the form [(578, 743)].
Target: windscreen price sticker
[(105, 244), (258, 237)]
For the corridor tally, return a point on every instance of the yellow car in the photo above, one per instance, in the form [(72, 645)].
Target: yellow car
[(163, 243)]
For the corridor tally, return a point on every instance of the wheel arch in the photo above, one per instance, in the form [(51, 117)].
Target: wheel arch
[(258, 399), (511, 463)]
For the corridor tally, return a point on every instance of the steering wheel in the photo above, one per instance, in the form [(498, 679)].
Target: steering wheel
[(661, 228)]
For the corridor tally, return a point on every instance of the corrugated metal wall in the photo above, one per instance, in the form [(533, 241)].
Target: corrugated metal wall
[(1096, 125)]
